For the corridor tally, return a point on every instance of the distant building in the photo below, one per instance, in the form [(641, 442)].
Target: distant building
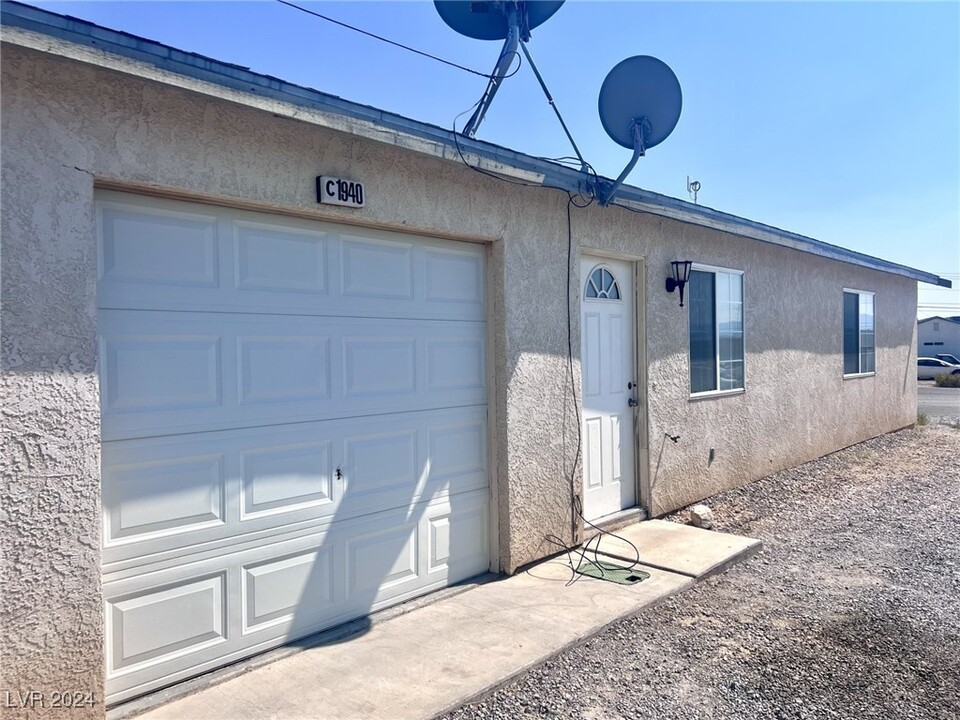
[(938, 335)]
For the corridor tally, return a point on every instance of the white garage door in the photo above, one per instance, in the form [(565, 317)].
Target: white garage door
[(294, 429)]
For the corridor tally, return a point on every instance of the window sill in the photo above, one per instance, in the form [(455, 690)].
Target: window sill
[(715, 394), (854, 376)]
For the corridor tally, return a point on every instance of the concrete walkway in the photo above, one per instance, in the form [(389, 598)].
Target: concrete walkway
[(678, 548), (430, 660)]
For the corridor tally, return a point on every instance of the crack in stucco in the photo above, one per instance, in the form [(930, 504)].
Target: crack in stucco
[(79, 169)]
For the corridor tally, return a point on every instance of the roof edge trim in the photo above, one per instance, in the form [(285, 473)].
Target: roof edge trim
[(152, 60)]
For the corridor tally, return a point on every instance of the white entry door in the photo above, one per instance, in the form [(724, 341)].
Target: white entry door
[(609, 386)]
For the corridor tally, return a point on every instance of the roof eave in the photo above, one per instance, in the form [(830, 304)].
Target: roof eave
[(371, 122)]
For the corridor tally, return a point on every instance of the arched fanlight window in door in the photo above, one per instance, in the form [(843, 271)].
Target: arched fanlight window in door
[(602, 285)]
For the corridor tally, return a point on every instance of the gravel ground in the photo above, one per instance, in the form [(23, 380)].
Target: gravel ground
[(852, 610)]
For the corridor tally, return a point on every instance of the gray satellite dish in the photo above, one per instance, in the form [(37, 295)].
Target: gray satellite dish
[(489, 21), (507, 20), (640, 104)]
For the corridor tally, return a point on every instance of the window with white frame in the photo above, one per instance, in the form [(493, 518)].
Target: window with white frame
[(716, 329), (602, 285), (859, 337)]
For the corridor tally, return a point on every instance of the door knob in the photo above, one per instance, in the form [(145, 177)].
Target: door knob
[(632, 402)]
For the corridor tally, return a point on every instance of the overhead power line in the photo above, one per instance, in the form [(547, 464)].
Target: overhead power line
[(388, 40)]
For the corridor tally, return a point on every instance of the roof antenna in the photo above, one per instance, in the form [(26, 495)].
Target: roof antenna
[(692, 189), (507, 20), (640, 103)]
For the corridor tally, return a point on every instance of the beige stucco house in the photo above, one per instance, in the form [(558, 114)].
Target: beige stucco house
[(234, 415)]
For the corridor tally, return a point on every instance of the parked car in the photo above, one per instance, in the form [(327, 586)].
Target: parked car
[(928, 368), (946, 357)]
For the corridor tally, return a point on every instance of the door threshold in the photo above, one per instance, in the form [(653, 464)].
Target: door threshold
[(614, 521)]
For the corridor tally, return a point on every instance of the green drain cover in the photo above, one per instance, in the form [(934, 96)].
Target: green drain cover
[(612, 573)]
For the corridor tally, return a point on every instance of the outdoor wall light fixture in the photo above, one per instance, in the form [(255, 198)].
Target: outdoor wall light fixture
[(681, 274)]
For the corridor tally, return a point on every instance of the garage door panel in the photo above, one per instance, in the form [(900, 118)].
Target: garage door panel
[(378, 462), (456, 536), (294, 429), (158, 624), (380, 560), (276, 369), (285, 477), (195, 492), (371, 268), (280, 259), (453, 538), (164, 496), (377, 366), (458, 449), (161, 372), (297, 589), (172, 373), (270, 593), (455, 363), (158, 247), (162, 255), (453, 276)]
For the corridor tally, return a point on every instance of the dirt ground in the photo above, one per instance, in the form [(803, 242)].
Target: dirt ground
[(852, 610)]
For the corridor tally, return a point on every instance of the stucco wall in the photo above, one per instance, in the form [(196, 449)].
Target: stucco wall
[(65, 123), (51, 617), (797, 405)]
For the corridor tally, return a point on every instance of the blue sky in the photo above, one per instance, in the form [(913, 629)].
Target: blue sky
[(836, 120)]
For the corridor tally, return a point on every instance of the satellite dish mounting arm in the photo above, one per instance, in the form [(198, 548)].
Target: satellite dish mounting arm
[(584, 166), (499, 72), (641, 129)]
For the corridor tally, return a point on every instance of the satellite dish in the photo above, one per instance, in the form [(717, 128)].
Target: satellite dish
[(488, 20), (640, 103), (640, 87), (507, 20)]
